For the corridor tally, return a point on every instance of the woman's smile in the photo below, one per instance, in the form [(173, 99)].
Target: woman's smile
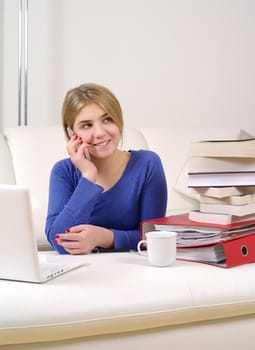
[(102, 144)]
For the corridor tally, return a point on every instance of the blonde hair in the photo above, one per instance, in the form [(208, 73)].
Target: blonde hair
[(79, 97)]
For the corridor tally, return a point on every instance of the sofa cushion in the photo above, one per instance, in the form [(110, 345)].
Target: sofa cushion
[(120, 292), (34, 150)]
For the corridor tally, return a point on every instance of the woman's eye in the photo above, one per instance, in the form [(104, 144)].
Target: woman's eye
[(86, 126), (108, 120)]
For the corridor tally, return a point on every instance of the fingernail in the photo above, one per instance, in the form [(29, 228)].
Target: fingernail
[(55, 241), (68, 230), (56, 236)]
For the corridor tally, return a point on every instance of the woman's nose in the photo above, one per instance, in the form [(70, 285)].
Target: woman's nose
[(98, 130)]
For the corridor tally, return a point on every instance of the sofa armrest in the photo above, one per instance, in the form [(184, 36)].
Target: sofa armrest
[(7, 173)]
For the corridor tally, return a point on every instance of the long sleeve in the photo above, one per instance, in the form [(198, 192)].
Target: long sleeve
[(71, 201), (140, 194), (152, 202)]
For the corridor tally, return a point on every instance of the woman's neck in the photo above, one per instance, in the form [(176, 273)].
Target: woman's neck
[(111, 169), (106, 164)]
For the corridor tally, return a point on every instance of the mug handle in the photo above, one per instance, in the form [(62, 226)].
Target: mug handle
[(142, 252)]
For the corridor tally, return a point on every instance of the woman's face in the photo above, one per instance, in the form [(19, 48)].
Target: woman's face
[(98, 130)]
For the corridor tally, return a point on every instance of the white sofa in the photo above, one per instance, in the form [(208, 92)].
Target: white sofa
[(117, 300)]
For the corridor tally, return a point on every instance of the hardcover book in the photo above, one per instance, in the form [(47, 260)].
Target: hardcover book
[(221, 219), (244, 148), (221, 179), (221, 192), (220, 164), (238, 210), (234, 200)]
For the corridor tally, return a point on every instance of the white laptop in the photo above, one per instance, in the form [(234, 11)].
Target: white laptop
[(19, 258)]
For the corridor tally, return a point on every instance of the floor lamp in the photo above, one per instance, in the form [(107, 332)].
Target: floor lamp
[(22, 63)]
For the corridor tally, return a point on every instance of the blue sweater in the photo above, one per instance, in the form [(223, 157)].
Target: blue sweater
[(140, 194)]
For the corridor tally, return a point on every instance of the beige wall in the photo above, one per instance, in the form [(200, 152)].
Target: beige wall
[(178, 62)]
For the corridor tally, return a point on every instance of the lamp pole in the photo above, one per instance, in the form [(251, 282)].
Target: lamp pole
[(22, 63)]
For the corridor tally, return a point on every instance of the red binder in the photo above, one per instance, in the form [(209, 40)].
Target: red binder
[(184, 221), (237, 250)]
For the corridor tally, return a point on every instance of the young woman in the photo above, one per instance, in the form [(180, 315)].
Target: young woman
[(99, 196)]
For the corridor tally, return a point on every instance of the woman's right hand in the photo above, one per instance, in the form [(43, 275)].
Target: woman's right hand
[(76, 149)]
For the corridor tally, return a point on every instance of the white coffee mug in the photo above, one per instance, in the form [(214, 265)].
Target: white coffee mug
[(161, 247)]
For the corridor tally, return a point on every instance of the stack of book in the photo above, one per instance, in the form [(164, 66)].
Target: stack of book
[(222, 231), (223, 173)]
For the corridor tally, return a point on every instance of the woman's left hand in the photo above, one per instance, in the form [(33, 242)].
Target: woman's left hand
[(76, 149), (82, 239)]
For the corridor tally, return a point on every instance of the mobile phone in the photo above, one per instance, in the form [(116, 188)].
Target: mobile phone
[(86, 151)]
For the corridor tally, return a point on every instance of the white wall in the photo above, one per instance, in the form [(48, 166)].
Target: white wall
[(183, 62), (1, 63)]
